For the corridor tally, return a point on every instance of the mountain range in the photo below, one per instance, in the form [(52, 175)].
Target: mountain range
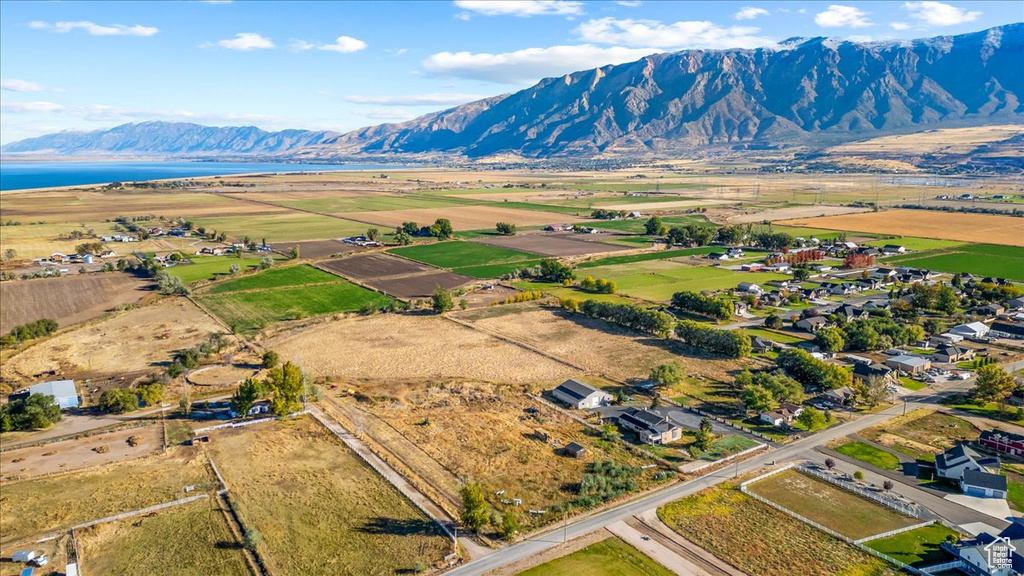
[(801, 90)]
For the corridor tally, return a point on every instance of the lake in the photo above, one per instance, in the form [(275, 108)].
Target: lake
[(22, 175)]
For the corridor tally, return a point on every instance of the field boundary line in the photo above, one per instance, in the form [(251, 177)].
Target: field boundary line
[(894, 532), (140, 511), (522, 345), (212, 315), (237, 529), (359, 283), (244, 423), (139, 422)]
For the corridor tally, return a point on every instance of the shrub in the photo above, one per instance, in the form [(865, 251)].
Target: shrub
[(118, 401)]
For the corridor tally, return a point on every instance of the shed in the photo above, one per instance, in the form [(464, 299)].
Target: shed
[(580, 395), (909, 364), (573, 449), (63, 391)]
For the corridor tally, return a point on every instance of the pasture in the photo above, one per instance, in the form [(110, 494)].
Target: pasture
[(658, 280), (979, 259), (205, 268), (316, 249), (461, 254), (552, 244), (753, 537), (318, 506), (282, 226), (610, 557), (68, 299), (274, 278), (462, 217), (993, 229), (190, 539), (636, 225)]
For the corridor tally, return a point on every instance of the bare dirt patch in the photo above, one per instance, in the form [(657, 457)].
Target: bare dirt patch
[(421, 286), (794, 212), (462, 217), (223, 375), (984, 228), (401, 347), (551, 244), (85, 452), (316, 248), (396, 276), (69, 299), (667, 206)]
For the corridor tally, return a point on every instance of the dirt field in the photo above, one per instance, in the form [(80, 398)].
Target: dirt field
[(319, 508), (396, 276), (667, 206), (69, 455), (552, 244), (393, 347), (220, 375), (949, 141), (316, 248), (182, 541), (68, 300), (922, 433), (984, 228), (130, 343), (462, 217), (96, 206), (796, 212), (595, 345)]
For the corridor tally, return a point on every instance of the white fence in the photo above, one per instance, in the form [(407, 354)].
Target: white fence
[(247, 422), (906, 508), (727, 459)]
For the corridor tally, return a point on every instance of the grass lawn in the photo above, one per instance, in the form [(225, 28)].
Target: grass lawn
[(495, 270), (210, 267), (611, 557), (274, 278), (189, 539), (990, 410), (869, 454), (461, 254), (829, 505), (319, 508), (911, 384), (774, 335), (724, 446), (980, 259), (754, 537), (1015, 488), (283, 226), (918, 547), (246, 311)]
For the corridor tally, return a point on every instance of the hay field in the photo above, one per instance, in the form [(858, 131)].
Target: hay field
[(40, 505), (319, 508), (946, 141), (462, 217), (282, 226), (400, 347), (784, 215), (982, 228), (190, 539), (595, 345), (132, 341), (96, 206), (68, 299)]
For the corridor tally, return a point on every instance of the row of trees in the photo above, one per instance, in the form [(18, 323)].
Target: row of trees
[(718, 308), (800, 257), (29, 331), (810, 371), (630, 316), (729, 343), (865, 334)]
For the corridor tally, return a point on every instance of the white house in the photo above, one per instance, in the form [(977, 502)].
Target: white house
[(970, 330), (749, 287), (580, 395)]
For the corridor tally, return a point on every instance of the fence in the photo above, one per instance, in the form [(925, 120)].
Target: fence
[(906, 508), (721, 420), (248, 422), (728, 459)]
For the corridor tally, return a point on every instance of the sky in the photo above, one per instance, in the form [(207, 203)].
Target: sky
[(343, 65)]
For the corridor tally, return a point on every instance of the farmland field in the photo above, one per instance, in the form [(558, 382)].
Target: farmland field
[(658, 280), (495, 270), (69, 299), (753, 537), (981, 259), (459, 254), (830, 506), (45, 504), (182, 541), (646, 256), (245, 311), (282, 226), (1003, 230), (462, 217), (552, 244), (916, 244), (636, 225), (611, 557), (316, 249), (374, 202), (274, 278), (396, 276), (319, 507), (211, 267), (917, 547)]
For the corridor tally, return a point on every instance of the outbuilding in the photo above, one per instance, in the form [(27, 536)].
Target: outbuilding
[(580, 395), (63, 392), (909, 364)]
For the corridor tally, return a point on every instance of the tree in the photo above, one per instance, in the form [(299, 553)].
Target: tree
[(234, 270), (185, 404), (773, 321), (248, 392), (860, 335), (188, 358), (830, 339), (294, 253), (286, 385), (509, 525), (266, 262), (151, 394), (32, 413), (118, 401), (704, 435), (175, 369), (668, 374), (474, 507), (858, 475), (441, 300), (811, 418), (505, 228), (554, 271), (171, 285), (993, 384), (655, 227), (830, 463), (251, 539), (742, 380), (442, 229), (372, 234), (874, 391), (888, 485), (271, 359), (758, 398)]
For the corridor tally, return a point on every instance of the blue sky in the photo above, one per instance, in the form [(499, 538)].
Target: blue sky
[(340, 66)]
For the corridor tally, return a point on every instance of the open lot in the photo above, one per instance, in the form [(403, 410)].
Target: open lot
[(829, 505), (552, 244), (68, 455), (870, 454), (393, 347), (315, 249), (69, 299), (181, 541), (283, 225), (611, 557), (285, 276), (459, 254), (922, 434), (917, 547), (1003, 230), (980, 259), (318, 506), (396, 276), (462, 217), (41, 505), (761, 540)]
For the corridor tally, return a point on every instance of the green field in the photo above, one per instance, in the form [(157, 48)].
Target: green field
[(247, 311), (981, 259), (283, 226), (917, 244), (274, 278), (819, 233), (636, 225), (611, 557), (461, 254), (918, 547), (657, 280), (647, 256), (870, 454), (774, 336), (210, 267), (495, 270)]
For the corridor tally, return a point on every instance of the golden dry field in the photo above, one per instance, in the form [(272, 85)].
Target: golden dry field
[(983, 228)]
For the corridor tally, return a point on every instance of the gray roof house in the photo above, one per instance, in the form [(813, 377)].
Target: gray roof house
[(909, 364), (812, 324), (63, 391), (988, 555), (983, 484), (580, 395), (650, 426), (865, 372)]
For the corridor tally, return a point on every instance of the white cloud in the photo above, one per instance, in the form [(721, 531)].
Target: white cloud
[(838, 15), (94, 29), (691, 34), (529, 65), (243, 41), (435, 99), (30, 107), (15, 85), (939, 14), (343, 44), (521, 8), (749, 13), (900, 26), (464, 16), (629, 3)]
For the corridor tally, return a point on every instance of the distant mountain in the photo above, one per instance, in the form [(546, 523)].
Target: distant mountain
[(171, 139), (802, 90)]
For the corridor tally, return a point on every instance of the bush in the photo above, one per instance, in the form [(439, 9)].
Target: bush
[(30, 331), (605, 481), (151, 394), (506, 228), (118, 401), (271, 359), (441, 300)]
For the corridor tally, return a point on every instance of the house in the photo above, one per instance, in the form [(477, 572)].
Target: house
[(781, 267), (574, 450), (63, 392), (989, 310), (580, 395), (880, 304), (945, 338), (58, 257), (988, 555), (812, 324), (983, 484), (893, 249), (908, 364), (752, 267), (749, 287), (1015, 304), (887, 274), (634, 215), (864, 373), (734, 252), (952, 354), (761, 345), (650, 426), (1008, 330), (1003, 442), (842, 396), (843, 289), (970, 330), (786, 413), (850, 313), (718, 256), (952, 463)]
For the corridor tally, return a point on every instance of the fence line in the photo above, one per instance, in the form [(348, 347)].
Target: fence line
[(728, 459), (896, 531), (908, 508), (768, 474), (140, 511), (248, 422)]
